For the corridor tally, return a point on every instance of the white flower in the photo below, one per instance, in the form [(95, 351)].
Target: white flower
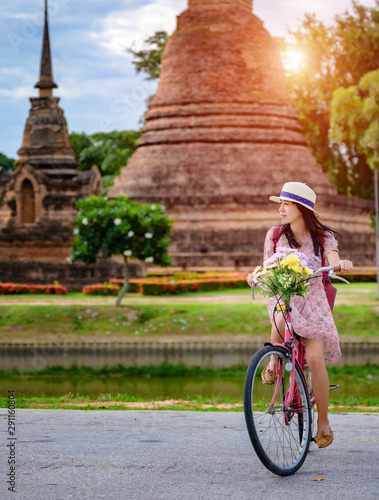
[(85, 221), (127, 253), (149, 259), (148, 235), (117, 221), (153, 207), (76, 231), (130, 234), (69, 259)]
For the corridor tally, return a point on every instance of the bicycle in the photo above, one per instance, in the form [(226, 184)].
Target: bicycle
[(279, 417)]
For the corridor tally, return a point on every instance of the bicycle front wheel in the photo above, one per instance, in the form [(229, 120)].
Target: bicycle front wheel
[(280, 433)]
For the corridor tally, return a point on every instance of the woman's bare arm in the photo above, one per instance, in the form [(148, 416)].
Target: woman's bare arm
[(334, 260)]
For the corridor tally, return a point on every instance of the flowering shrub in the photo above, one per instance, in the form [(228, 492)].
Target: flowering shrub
[(111, 288), (172, 287), (105, 289), (361, 276), (135, 285), (286, 273), (193, 275), (162, 283), (120, 227), (167, 286), (17, 288)]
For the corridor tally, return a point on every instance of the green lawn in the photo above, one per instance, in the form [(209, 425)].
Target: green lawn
[(47, 321), (356, 313)]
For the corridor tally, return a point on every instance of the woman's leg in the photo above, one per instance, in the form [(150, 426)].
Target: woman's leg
[(280, 323), (320, 381), (276, 337)]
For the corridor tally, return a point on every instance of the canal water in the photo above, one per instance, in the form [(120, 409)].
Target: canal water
[(151, 388)]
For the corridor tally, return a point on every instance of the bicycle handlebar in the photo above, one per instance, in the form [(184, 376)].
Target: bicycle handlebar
[(331, 270)]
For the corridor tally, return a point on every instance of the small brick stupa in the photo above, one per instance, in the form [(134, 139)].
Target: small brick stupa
[(221, 136), (37, 201)]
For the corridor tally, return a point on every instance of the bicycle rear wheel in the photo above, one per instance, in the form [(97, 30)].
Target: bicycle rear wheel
[(280, 436)]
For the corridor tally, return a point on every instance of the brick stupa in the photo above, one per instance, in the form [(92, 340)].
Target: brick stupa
[(37, 201), (221, 136)]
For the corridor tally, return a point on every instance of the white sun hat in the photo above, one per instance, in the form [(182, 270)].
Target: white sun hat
[(297, 192)]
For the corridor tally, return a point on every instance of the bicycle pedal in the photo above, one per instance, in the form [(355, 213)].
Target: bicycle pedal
[(333, 386)]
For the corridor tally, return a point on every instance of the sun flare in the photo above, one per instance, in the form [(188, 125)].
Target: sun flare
[(293, 59)]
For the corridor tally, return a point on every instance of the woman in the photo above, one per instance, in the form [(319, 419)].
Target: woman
[(311, 315)]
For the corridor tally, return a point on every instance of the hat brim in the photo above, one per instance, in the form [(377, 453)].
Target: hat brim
[(279, 200)]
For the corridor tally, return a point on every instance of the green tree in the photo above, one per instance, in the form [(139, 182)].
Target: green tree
[(121, 227), (148, 60), (109, 151), (334, 56), (78, 143), (6, 163), (354, 117), (355, 121)]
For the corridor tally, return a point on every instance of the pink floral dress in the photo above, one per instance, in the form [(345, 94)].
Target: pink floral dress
[(311, 314)]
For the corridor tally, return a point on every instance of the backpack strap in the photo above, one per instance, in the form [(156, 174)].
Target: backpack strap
[(325, 276), (323, 261), (275, 236)]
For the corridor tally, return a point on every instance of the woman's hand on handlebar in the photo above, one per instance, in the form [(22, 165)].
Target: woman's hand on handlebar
[(254, 275), (346, 266)]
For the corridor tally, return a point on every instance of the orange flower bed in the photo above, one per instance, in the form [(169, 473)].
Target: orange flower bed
[(18, 288), (175, 287), (170, 285), (186, 282), (111, 288)]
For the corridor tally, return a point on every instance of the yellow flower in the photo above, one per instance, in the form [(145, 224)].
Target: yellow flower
[(308, 270), (295, 267), (290, 259)]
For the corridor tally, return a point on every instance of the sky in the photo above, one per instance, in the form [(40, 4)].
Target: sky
[(98, 86)]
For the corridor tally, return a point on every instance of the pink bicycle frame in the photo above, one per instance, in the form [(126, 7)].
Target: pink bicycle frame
[(296, 354)]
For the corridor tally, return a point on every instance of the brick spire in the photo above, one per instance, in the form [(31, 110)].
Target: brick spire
[(46, 82)]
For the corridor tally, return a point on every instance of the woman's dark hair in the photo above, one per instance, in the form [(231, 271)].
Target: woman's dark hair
[(315, 227)]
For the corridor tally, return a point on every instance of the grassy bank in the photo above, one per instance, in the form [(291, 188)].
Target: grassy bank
[(149, 320), (179, 370)]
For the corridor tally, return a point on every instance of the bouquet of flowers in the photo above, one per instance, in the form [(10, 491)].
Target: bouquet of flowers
[(286, 273)]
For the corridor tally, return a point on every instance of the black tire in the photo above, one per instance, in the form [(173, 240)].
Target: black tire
[(280, 438)]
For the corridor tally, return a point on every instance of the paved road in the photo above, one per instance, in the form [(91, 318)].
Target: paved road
[(166, 455)]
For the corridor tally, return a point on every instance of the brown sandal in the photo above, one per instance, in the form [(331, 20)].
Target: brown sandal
[(268, 376), (323, 440)]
